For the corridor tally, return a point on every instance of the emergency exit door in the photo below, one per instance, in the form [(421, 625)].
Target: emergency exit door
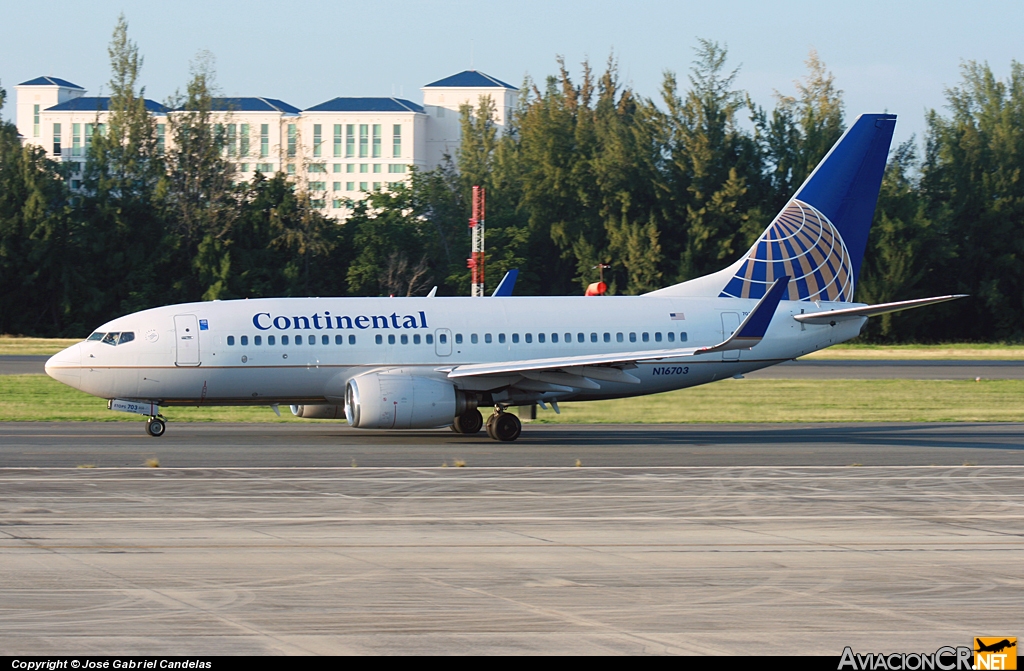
[(730, 322), (186, 332)]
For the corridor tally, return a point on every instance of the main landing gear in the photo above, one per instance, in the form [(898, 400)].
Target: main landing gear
[(503, 426), (155, 426)]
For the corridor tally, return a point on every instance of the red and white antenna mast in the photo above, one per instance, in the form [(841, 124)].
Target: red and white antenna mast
[(476, 225)]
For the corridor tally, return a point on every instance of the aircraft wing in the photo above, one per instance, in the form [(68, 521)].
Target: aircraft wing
[(833, 316), (601, 366)]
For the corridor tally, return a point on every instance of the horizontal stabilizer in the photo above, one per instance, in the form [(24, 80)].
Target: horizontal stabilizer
[(834, 316)]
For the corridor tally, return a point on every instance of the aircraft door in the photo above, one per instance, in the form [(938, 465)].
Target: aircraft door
[(443, 342), (730, 322), (186, 332)]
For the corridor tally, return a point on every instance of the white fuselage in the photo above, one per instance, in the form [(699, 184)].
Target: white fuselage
[(248, 352)]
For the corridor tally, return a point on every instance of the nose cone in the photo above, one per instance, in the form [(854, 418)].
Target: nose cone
[(66, 366)]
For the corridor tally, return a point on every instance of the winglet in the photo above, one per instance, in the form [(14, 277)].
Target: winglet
[(507, 283), (753, 328)]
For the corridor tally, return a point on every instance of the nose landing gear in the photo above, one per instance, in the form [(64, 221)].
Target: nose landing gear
[(503, 426), (155, 426)]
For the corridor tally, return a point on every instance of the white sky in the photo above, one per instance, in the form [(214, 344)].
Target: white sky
[(887, 56)]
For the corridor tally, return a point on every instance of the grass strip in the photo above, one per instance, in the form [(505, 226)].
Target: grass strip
[(37, 398)]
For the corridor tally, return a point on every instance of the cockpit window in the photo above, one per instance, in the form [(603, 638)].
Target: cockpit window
[(126, 336), (96, 336), (110, 338)]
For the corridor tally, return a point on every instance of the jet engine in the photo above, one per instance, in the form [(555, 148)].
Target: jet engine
[(319, 411), (401, 401)]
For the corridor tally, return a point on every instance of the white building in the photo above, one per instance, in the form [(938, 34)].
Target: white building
[(338, 150)]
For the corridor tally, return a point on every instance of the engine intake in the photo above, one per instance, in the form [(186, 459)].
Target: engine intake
[(399, 401)]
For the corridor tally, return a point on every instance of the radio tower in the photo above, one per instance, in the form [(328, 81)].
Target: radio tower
[(476, 225)]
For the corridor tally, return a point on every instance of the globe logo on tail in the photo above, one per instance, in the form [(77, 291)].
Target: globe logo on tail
[(803, 244)]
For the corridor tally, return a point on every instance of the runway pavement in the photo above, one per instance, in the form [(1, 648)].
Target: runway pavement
[(802, 369), (680, 539)]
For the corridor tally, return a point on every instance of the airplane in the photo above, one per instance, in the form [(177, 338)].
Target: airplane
[(429, 362)]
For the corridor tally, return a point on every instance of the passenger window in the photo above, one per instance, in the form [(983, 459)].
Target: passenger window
[(415, 338), (618, 337), (529, 337), (593, 337), (96, 336), (244, 340), (257, 340), (540, 337), (646, 337), (126, 336), (458, 338), (554, 337), (568, 337), (442, 338), (430, 339), (298, 340), (515, 337), (311, 340), (339, 340), (231, 341), (391, 339), (270, 340), (671, 336), (580, 337), (111, 339), (325, 340), (501, 338), (682, 336), (607, 337), (379, 339), (474, 339), (487, 338), (284, 340), (351, 340), (405, 339), (657, 337), (632, 337)]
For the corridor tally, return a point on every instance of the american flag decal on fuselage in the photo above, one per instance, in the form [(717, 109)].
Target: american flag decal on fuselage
[(803, 244)]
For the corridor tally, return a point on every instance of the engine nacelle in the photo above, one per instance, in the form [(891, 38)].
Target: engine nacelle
[(399, 401), (319, 411)]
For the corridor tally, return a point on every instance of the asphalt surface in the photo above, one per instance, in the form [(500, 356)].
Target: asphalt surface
[(805, 369), (707, 539)]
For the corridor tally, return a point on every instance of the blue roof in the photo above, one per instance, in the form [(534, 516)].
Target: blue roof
[(253, 105), (88, 104), (470, 79), (50, 81), (367, 105)]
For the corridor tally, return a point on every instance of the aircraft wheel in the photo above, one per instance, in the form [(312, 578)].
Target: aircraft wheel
[(507, 427), (155, 427), (489, 426), (469, 422)]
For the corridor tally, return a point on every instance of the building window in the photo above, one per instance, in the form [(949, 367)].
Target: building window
[(35, 120), (350, 186), (88, 136), (351, 167), (264, 140), (350, 140), (232, 138), (317, 205), (243, 142), (243, 167), (316, 167), (337, 140), (396, 141), (337, 186), (376, 140), (291, 168), (318, 186), (337, 167), (364, 167), (265, 168), (317, 139), (396, 168), (364, 140), (337, 204), (161, 137), (362, 186), (76, 139), (56, 139), (293, 140)]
